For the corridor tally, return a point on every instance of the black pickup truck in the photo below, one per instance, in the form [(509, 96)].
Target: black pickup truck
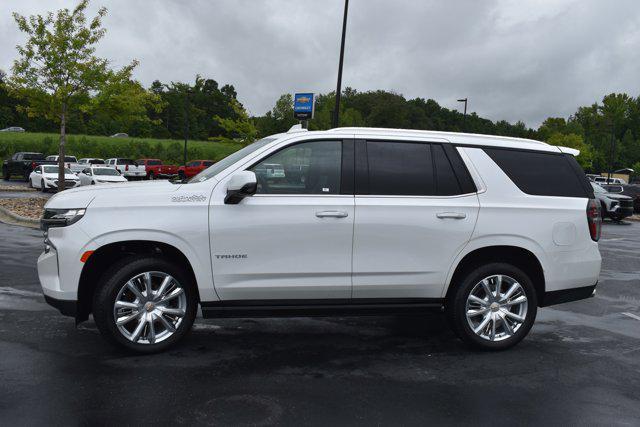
[(22, 164)]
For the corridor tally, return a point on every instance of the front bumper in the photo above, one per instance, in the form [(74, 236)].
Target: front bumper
[(68, 183), (65, 307)]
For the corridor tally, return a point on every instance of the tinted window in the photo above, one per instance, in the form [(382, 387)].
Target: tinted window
[(33, 156), (151, 162), (446, 181), (96, 162), (540, 174), (127, 162), (306, 168), (400, 168), (193, 164), (207, 163)]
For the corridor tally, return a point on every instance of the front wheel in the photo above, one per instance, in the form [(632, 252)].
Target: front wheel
[(493, 307), (145, 304), (43, 187)]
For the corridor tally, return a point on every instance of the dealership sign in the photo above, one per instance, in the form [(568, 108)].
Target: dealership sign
[(303, 106)]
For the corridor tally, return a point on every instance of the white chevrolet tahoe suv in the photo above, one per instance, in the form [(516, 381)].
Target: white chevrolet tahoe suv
[(360, 221)]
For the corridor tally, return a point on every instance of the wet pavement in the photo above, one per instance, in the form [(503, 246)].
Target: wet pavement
[(579, 365)]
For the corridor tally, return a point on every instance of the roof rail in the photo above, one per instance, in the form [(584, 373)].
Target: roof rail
[(296, 128)]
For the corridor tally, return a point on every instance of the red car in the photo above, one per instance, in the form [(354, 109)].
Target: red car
[(193, 168), (155, 168)]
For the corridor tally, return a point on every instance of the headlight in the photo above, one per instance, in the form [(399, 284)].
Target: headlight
[(60, 217)]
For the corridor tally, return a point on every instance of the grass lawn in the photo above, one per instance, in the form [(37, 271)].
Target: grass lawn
[(169, 150)]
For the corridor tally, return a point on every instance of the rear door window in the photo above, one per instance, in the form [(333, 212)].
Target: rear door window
[(540, 173), (400, 168)]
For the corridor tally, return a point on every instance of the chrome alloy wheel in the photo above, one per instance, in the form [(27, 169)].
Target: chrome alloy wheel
[(496, 307), (149, 307)]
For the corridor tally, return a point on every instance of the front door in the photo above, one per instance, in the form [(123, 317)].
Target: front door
[(293, 239), (416, 209)]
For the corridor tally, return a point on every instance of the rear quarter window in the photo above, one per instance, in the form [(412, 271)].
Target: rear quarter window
[(542, 174)]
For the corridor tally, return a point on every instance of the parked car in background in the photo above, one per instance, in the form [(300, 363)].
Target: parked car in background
[(615, 206), (605, 180), (70, 162), (119, 135), (100, 175), (22, 164), (155, 168), (45, 177), (90, 161), (13, 129), (633, 191), (592, 176), (128, 168), (193, 168)]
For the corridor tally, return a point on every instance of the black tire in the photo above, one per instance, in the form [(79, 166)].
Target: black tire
[(25, 176), (116, 277), (181, 176), (456, 306), (43, 187), (152, 175), (7, 175)]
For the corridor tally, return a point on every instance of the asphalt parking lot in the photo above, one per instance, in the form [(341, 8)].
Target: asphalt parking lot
[(579, 365)]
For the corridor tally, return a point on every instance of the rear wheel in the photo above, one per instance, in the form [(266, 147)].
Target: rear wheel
[(152, 175), (494, 307), (181, 176), (145, 304), (7, 175)]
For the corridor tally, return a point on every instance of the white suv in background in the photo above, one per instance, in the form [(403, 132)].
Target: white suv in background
[(367, 221)]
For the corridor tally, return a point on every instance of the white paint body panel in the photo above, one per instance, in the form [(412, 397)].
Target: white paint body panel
[(391, 247)]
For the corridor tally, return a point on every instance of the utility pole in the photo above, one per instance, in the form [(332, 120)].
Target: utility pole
[(464, 117), (336, 111), (186, 123)]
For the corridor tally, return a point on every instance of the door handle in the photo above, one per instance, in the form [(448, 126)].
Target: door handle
[(452, 215), (332, 214)]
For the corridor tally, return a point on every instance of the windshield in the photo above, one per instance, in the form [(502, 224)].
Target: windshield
[(597, 188), (70, 159), (54, 169), (105, 171), (152, 162), (231, 159), (33, 156)]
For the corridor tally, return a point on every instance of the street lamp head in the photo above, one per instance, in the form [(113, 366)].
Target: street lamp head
[(462, 100)]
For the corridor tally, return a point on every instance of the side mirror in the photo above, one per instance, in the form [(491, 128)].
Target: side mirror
[(241, 185)]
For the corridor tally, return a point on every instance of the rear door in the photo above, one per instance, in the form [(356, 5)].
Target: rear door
[(416, 207)]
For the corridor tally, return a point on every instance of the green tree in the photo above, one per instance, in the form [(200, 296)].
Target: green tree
[(585, 158), (57, 66), (241, 127)]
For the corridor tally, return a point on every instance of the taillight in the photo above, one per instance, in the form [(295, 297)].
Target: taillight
[(126, 167), (33, 165), (594, 219)]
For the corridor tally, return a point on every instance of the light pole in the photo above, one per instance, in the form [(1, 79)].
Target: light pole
[(464, 117), (612, 152), (336, 111)]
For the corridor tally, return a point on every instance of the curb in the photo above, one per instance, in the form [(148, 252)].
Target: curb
[(9, 217), (17, 190)]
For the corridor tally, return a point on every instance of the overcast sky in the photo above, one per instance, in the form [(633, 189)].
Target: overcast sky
[(514, 60)]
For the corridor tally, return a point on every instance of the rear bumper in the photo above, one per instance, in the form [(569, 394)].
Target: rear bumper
[(66, 307), (567, 295)]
